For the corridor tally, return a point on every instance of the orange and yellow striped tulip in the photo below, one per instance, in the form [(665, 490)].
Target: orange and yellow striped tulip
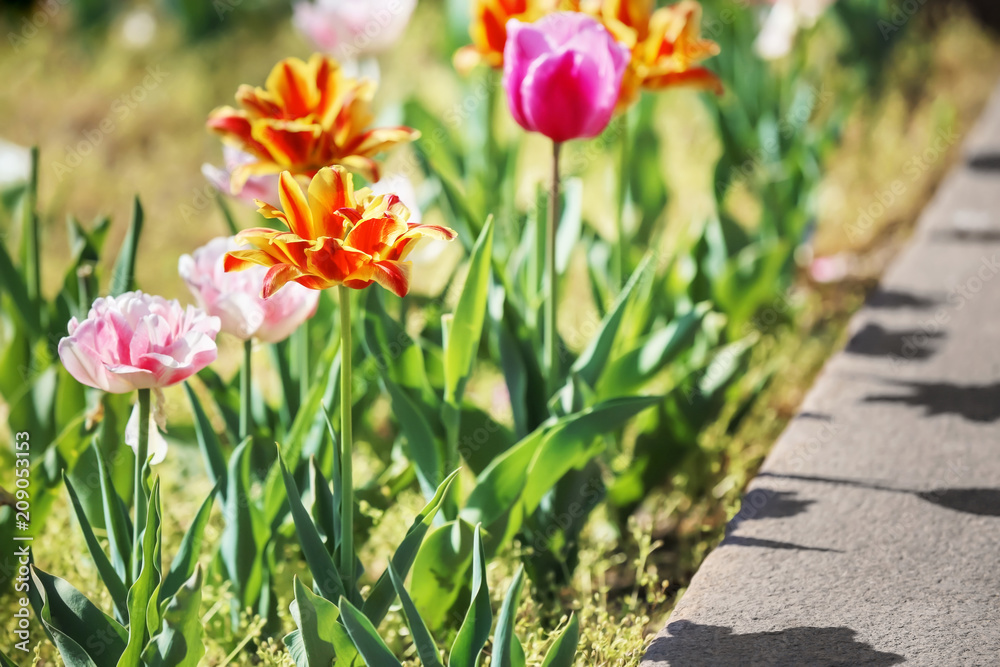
[(309, 115), (666, 45), (335, 236), (489, 30)]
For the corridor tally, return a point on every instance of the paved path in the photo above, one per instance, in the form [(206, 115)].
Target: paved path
[(872, 534)]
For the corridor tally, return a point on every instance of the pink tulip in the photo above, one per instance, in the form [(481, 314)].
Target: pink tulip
[(138, 341), (349, 29), (263, 187), (235, 298), (562, 75)]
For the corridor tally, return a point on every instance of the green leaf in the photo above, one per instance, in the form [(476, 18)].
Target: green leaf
[(422, 445), (563, 651), (571, 443), (75, 622), (365, 637), (440, 572), (5, 660), (123, 274), (326, 578), (116, 522), (592, 361), (245, 534), (12, 283), (143, 591), (308, 427), (381, 596), (394, 352), (629, 372), (208, 443), (503, 641), (320, 636), (475, 630), (422, 639), (113, 582), (186, 561), (467, 326), (179, 640), (570, 223)]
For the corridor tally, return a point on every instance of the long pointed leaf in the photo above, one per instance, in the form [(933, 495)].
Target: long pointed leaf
[(380, 599), (325, 575), (422, 639), (114, 583), (74, 622), (186, 561), (475, 630), (123, 275), (563, 651), (503, 641), (365, 637)]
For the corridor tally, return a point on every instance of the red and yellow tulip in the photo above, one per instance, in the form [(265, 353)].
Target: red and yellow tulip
[(309, 115), (667, 52), (666, 43), (489, 29), (335, 236)]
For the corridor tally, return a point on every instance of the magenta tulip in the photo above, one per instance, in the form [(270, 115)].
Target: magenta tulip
[(562, 75), (138, 341)]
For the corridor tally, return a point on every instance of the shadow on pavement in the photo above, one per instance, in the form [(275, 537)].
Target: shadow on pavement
[(891, 299), (874, 341), (978, 403), (693, 645), (741, 541), (982, 502), (984, 162)]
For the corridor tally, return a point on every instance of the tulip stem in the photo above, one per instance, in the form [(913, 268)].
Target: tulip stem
[(621, 268), (139, 498), (246, 387), (346, 439), (302, 341), (552, 290)]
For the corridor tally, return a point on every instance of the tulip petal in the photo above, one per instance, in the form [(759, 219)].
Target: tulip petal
[(277, 277), (329, 191), (293, 201)]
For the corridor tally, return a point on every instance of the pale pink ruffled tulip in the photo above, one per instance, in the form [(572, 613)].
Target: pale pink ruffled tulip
[(137, 341), (562, 75), (352, 29), (235, 298), (263, 187), (783, 22)]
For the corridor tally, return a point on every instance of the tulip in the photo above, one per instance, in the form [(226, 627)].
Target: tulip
[(562, 75), (784, 20), (348, 29), (489, 30), (235, 298), (336, 237), (307, 117), (137, 341), (255, 187)]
